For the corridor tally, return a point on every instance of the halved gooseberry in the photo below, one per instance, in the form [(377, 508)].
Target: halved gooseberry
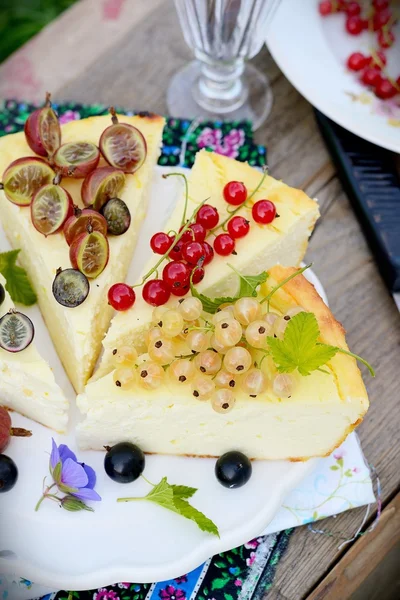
[(24, 177), (101, 185), (70, 287), (78, 224), (117, 216), (16, 331), (42, 130), (51, 207), (89, 253), (123, 145), (77, 159)]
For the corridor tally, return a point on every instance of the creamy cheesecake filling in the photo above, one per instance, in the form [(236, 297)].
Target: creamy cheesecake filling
[(170, 421), (77, 332), (283, 242), (27, 384)]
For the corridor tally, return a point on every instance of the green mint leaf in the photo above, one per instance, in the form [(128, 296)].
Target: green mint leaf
[(183, 491), (249, 283), (188, 511), (209, 305), (18, 284), (162, 494), (248, 287), (299, 348)]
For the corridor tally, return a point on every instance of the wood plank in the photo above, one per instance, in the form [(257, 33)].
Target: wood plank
[(68, 46), (362, 558)]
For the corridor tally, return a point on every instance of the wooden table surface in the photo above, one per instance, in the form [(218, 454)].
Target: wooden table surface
[(125, 52)]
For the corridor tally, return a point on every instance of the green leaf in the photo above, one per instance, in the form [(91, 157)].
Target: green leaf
[(248, 287), (183, 491), (340, 461), (299, 348), (348, 473), (220, 565), (219, 583), (228, 596), (190, 512), (18, 285), (334, 468), (173, 497), (249, 283)]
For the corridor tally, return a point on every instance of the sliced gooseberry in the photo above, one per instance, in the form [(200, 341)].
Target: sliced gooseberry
[(123, 145), (77, 159), (42, 130), (79, 222), (16, 331), (101, 185), (51, 207), (89, 253), (117, 215), (70, 287), (24, 177)]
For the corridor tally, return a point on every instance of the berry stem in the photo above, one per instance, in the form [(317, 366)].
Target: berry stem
[(44, 495), (348, 353), (20, 432), (178, 237), (245, 204), (113, 114), (186, 192), (282, 283), (47, 101)]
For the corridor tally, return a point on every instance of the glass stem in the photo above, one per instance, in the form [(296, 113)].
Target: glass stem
[(220, 85)]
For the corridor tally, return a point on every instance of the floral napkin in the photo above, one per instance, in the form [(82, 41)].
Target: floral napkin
[(338, 483)]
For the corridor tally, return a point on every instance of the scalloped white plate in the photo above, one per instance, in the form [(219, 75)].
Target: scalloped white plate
[(312, 51), (133, 541)]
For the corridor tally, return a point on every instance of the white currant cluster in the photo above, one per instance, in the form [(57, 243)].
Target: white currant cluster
[(213, 356)]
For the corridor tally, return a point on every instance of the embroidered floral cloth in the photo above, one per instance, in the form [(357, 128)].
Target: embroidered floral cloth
[(339, 482)]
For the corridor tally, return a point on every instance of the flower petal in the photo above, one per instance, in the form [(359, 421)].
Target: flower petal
[(65, 453), (91, 475), (73, 475), (87, 493), (55, 455)]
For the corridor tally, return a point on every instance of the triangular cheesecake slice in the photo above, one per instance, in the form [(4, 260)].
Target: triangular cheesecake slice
[(77, 332), (27, 383), (295, 417), (283, 241)]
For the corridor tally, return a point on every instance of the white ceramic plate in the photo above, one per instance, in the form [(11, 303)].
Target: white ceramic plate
[(312, 51), (133, 541)]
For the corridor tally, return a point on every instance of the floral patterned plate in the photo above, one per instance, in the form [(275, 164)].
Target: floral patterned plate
[(132, 541), (311, 51)]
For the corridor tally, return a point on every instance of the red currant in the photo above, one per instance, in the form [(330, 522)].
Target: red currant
[(235, 192), (380, 19), (156, 292), (121, 296), (264, 212), (224, 244), (371, 76), (187, 236), (197, 275), (380, 60), (193, 252), (176, 251), (199, 232), (176, 274), (356, 61), (353, 9), (161, 242), (354, 25), (385, 89), (385, 38), (380, 4), (207, 216), (208, 253), (325, 8), (238, 227)]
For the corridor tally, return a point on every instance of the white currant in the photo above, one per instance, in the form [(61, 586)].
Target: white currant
[(257, 332), (125, 355), (223, 400), (124, 377), (181, 370), (202, 387), (150, 375), (282, 385), (224, 379), (208, 362), (237, 360), (254, 382), (247, 310), (228, 332), (191, 308)]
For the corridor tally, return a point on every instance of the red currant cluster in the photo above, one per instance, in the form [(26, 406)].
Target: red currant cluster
[(188, 251), (379, 21)]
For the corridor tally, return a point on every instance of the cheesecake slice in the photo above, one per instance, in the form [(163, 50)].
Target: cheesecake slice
[(283, 241), (27, 383), (77, 332), (309, 421)]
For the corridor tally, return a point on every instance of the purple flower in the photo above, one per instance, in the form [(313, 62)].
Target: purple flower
[(71, 476), (171, 593), (124, 585), (338, 455), (253, 544), (250, 561), (238, 582), (181, 579), (105, 594), (69, 115)]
